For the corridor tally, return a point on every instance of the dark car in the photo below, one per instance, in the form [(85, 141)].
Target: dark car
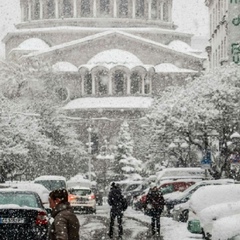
[(22, 215)]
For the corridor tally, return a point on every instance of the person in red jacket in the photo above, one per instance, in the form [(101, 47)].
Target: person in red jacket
[(155, 202)]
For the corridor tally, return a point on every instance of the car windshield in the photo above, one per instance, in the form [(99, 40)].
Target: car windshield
[(52, 184), (80, 192), (131, 187), (21, 199)]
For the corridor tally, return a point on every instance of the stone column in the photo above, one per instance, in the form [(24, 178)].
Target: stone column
[(22, 13), (29, 11), (74, 8), (56, 9), (114, 8), (143, 83), (128, 84), (133, 8), (149, 9), (93, 84), (82, 84), (110, 91), (162, 11), (41, 9), (169, 13), (94, 8)]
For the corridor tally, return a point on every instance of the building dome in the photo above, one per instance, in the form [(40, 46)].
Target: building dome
[(169, 67), (33, 44), (180, 46), (64, 67), (115, 56)]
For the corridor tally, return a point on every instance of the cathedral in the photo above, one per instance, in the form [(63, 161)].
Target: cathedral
[(111, 57)]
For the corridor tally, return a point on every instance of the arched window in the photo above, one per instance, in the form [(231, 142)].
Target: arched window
[(88, 83), (154, 9), (135, 83), (50, 9), (146, 85), (165, 12), (102, 82), (67, 9), (123, 8), (36, 10), (140, 9), (119, 82), (104, 8), (85, 8)]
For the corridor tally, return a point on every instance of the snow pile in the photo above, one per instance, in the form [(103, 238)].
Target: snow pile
[(169, 67)]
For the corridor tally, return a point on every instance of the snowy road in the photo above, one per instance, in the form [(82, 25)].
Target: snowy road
[(135, 224)]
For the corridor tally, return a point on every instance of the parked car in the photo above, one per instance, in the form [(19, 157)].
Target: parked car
[(82, 199), (22, 215), (211, 203), (179, 173), (226, 228), (99, 196), (51, 182), (181, 212)]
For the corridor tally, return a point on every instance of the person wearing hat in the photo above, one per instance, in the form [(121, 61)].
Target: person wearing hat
[(156, 202), (117, 202)]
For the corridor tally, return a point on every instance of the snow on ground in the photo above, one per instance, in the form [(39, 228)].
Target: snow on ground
[(170, 229)]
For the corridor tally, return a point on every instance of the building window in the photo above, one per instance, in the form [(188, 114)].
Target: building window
[(139, 8), (154, 9), (25, 12), (88, 83), (85, 8), (50, 9), (135, 83), (67, 9), (104, 7), (102, 82), (123, 8), (36, 10), (165, 12), (146, 85), (119, 82)]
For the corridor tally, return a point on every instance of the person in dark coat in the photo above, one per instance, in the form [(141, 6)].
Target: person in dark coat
[(115, 200), (66, 224), (156, 202)]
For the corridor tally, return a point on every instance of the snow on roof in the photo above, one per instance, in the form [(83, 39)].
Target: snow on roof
[(50, 177), (103, 34), (110, 103), (64, 67), (115, 56), (169, 67), (33, 44), (181, 46)]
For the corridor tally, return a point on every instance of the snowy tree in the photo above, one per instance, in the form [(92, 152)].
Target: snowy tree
[(125, 163), (35, 138), (190, 113)]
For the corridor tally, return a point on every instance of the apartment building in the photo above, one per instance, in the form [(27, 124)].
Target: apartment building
[(224, 39)]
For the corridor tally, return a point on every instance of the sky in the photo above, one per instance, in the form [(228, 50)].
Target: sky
[(191, 16)]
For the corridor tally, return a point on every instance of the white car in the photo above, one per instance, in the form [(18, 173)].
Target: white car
[(211, 203), (82, 199)]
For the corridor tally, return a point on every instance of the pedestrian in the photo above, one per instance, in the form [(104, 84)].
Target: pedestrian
[(66, 224), (118, 205), (155, 204)]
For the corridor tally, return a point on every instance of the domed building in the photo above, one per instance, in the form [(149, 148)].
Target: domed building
[(111, 56)]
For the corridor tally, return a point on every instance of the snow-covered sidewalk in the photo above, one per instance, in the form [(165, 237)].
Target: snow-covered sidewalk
[(170, 229)]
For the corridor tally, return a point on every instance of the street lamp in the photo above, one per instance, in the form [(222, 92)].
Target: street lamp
[(89, 130)]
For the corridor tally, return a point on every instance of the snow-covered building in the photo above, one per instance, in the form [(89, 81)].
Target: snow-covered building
[(110, 56)]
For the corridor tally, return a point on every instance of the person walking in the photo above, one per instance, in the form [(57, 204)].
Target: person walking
[(66, 224), (118, 205), (155, 204)]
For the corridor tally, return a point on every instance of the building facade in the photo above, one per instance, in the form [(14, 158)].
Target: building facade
[(110, 57), (224, 32)]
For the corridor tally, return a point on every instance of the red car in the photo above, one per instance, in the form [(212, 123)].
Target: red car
[(167, 187)]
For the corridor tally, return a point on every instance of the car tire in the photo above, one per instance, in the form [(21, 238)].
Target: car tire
[(184, 216)]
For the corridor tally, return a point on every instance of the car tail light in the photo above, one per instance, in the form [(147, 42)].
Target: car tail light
[(42, 218), (91, 197), (71, 198)]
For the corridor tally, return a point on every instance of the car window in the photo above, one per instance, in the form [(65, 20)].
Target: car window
[(21, 199), (167, 189), (80, 192), (52, 184), (131, 187)]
